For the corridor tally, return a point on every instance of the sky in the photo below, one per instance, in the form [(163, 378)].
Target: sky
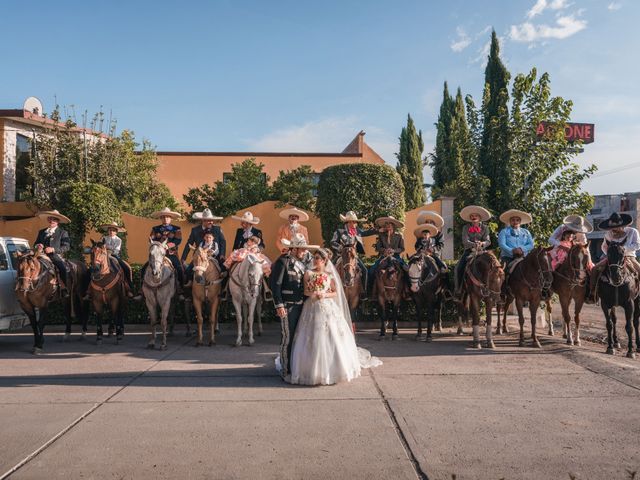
[(308, 76)]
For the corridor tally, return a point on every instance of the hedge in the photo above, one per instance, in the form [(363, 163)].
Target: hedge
[(370, 190)]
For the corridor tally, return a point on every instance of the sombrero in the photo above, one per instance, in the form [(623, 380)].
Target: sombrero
[(165, 212), (426, 215), (247, 217), (382, 220), (53, 213), (298, 241), (577, 224), (466, 212), (425, 226), (351, 216), (287, 212), (205, 215), (616, 220), (509, 214), (107, 226)]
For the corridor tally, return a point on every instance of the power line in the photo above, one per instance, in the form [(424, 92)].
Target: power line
[(622, 168)]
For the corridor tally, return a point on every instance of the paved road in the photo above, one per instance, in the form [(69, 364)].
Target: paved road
[(432, 410)]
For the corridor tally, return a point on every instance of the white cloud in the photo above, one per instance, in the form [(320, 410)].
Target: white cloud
[(614, 6), (462, 42), (542, 5), (565, 27)]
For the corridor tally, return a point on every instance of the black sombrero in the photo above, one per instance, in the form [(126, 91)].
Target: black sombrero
[(616, 220)]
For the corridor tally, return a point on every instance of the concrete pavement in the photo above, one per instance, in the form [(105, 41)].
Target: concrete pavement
[(432, 410)]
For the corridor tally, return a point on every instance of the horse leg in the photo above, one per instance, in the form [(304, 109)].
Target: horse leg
[(636, 322), (533, 311), (32, 313), (488, 305), (259, 314), (382, 314), (197, 306), (395, 312), (519, 307), (251, 311), (614, 319), (577, 309), (564, 305), (628, 313), (186, 309), (98, 307), (419, 318), (165, 311), (609, 322), (67, 316), (548, 317), (438, 320), (116, 313), (431, 313), (238, 307), (213, 317), (501, 324), (462, 312), (153, 318), (474, 306)]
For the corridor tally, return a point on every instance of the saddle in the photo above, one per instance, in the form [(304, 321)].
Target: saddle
[(511, 266)]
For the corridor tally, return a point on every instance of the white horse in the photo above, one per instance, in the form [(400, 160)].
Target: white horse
[(245, 286), (158, 287)]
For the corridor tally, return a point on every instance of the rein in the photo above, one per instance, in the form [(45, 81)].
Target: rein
[(573, 280), (104, 289), (351, 263), (542, 284), (485, 291)]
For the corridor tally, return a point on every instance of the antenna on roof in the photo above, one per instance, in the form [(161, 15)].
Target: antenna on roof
[(33, 105)]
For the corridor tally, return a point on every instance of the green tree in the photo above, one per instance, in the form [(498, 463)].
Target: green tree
[(443, 169), (370, 190), (411, 164), (295, 187), (546, 180), (246, 185), (494, 149)]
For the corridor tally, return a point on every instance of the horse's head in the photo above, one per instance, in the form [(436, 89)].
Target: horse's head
[(254, 274), (200, 265), (578, 260), (99, 258), (615, 260), (157, 254), (542, 258), (416, 266), (349, 266), (492, 272), (28, 271)]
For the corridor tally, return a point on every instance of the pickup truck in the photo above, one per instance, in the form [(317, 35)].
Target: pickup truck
[(11, 315)]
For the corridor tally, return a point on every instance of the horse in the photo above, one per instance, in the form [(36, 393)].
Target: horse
[(570, 283), (37, 287), (159, 287), (529, 281), (483, 278), (425, 285), (351, 277), (245, 286), (618, 286), (206, 286), (107, 289), (390, 286)]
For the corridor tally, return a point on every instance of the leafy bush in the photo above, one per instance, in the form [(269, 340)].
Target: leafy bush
[(370, 190), (294, 187)]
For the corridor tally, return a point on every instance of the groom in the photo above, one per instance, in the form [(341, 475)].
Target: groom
[(287, 286)]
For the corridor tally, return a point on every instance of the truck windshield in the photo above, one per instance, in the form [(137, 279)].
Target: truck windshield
[(4, 265), (14, 248)]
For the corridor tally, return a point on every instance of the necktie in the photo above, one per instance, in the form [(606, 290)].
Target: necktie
[(474, 229)]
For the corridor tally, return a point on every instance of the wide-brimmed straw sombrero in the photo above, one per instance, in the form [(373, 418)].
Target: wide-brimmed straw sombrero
[(287, 212), (577, 224), (425, 215), (165, 212), (432, 229), (205, 215), (466, 213), (509, 214), (107, 226), (616, 220), (247, 217), (380, 222), (298, 241), (351, 216), (53, 213)]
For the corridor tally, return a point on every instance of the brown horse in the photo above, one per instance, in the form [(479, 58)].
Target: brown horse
[(37, 287), (351, 277), (389, 288), (483, 278), (530, 281), (207, 283), (107, 290)]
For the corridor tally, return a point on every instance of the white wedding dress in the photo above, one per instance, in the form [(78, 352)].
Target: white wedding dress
[(324, 349)]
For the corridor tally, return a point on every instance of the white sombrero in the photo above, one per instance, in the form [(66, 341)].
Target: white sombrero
[(247, 217), (466, 212), (351, 216), (577, 224), (287, 212), (425, 226), (107, 226), (165, 212), (382, 220), (509, 214), (53, 213), (298, 241), (205, 215), (426, 215)]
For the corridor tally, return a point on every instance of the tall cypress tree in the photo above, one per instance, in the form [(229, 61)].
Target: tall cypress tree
[(494, 150), (410, 164), (443, 169)]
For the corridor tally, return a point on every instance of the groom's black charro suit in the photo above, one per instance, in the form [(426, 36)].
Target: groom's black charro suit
[(287, 286)]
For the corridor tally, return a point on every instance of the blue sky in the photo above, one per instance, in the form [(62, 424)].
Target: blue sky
[(307, 76)]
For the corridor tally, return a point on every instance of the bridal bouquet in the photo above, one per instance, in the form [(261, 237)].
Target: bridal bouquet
[(319, 283)]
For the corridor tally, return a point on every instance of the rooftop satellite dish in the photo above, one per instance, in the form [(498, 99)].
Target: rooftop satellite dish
[(33, 105)]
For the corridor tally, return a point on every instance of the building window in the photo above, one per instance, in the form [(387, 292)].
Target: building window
[(24, 182)]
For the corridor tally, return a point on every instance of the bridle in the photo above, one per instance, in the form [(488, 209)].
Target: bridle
[(99, 258), (424, 277), (349, 265), (485, 290), (203, 265), (545, 276), (617, 267), (577, 276)]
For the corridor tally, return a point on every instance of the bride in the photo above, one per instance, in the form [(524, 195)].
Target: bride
[(324, 349)]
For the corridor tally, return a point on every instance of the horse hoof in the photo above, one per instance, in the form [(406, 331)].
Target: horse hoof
[(163, 347), (212, 343), (521, 343), (460, 331), (118, 340), (505, 329), (610, 351), (394, 336), (67, 337), (477, 345), (438, 329), (578, 343), (217, 330), (617, 345), (251, 342), (490, 344), (36, 351), (536, 344), (631, 354), (429, 340), (238, 344), (564, 335), (381, 337), (418, 337), (569, 342), (151, 346), (83, 337), (498, 332)]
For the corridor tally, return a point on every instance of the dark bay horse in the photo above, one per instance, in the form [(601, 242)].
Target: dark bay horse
[(570, 283), (37, 288), (618, 287), (530, 281), (107, 290), (483, 278), (425, 285), (207, 283), (351, 277), (389, 290)]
